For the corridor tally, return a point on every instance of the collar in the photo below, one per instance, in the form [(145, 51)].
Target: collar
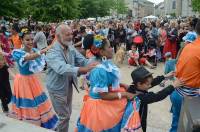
[(141, 91), (138, 90)]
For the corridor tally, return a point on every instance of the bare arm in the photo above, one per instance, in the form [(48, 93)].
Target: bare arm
[(78, 44), (114, 96), (124, 86), (33, 56), (12, 74)]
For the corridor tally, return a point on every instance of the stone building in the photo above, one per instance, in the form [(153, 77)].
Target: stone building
[(179, 7), (140, 8), (160, 9)]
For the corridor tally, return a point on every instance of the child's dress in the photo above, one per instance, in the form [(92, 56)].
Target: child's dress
[(29, 101), (98, 115)]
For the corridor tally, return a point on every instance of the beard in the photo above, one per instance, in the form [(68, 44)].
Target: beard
[(67, 43)]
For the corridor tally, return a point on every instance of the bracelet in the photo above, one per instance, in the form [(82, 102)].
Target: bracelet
[(119, 95)]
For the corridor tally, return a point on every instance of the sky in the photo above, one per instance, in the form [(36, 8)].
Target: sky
[(156, 1)]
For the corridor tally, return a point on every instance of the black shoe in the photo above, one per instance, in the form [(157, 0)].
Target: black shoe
[(5, 108)]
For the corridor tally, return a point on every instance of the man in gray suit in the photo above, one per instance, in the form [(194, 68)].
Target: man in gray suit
[(64, 64)]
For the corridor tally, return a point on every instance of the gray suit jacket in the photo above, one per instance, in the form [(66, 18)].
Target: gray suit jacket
[(63, 68)]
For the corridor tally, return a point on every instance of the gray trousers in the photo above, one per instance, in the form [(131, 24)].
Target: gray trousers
[(63, 108)]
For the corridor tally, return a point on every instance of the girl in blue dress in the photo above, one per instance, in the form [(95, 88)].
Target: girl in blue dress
[(108, 108), (29, 101)]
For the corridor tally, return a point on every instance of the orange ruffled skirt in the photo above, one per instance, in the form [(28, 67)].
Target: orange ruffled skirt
[(99, 115), (30, 103)]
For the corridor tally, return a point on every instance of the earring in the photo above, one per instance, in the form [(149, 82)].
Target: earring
[(104, 58)]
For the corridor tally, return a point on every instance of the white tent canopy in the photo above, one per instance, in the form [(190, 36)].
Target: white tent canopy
[(91, 19), (151, 17)]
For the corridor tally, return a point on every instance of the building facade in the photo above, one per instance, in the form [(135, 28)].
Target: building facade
[(140, 8), (160, 9), (170, 6), (179, 7)]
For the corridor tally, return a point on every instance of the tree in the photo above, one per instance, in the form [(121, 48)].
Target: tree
[(57, 10), (196, 5), (11, 8), (120, 6), (53, 10), (100, 8), (88, 8), (95, 8)]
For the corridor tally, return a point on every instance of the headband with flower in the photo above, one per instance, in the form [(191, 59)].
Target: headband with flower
[(24, 30), (97, 43), (98, 40)]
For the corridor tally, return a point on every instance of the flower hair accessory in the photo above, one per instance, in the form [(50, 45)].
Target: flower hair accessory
[(24, 30), (98, 39)]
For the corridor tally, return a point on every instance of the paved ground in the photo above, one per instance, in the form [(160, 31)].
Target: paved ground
[(159, 117)]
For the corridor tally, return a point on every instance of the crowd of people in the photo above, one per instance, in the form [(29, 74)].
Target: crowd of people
[(93, 52)]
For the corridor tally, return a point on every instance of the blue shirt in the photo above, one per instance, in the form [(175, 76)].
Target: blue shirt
[(102, 78), (28, 67), (170, 65)]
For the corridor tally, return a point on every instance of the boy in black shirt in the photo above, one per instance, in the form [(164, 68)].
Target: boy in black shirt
[(142, 81)]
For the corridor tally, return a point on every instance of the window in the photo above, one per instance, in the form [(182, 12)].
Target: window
[(174, 5), (190, 3)]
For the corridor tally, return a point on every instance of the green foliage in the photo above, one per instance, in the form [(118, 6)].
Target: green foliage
[(173, 15), (120, 6), (57, 10), (53, 10), (11, 8), (100, 8), (196, 5)]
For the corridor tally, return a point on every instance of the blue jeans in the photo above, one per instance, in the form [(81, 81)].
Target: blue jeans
[(176, 101)]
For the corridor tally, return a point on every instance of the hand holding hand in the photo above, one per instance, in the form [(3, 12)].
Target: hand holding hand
[(44, 51), (178, 83), (94, 63), (130, 96), (126, 86), (84, 70)]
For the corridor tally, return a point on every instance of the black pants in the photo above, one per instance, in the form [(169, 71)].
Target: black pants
[(5, 89), (161, 50), (114, 45), (153, 60)]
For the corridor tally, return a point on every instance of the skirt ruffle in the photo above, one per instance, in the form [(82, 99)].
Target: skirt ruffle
[(30, 103), (108, 116)]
